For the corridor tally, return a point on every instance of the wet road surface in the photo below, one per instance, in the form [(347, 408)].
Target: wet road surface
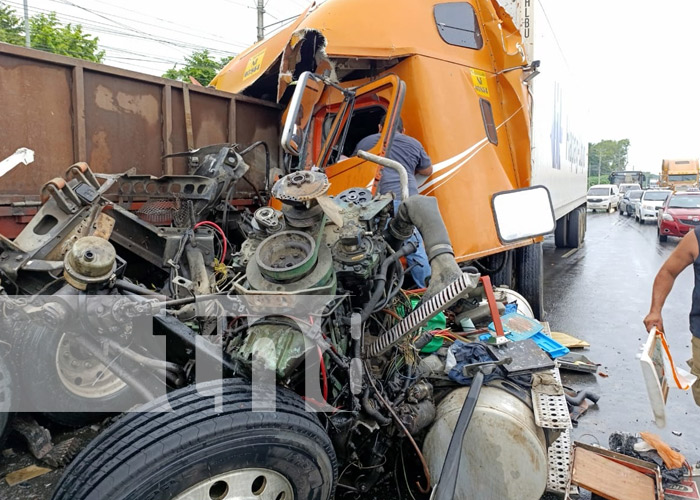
[(600, 293)]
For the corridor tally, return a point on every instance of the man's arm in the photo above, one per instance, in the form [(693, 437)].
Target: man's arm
[(425, 166), (685, 254)]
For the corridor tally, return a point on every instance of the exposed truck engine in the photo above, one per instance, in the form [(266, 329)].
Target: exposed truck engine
[(158, 294)]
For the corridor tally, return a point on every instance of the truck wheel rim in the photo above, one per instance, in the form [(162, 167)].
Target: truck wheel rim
[(82, 374), (242, 484)]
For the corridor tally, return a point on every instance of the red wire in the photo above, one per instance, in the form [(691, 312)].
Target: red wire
[(221, 232), (324, 375)]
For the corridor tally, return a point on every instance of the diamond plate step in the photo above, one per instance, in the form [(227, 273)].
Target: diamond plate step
[(551, 412)]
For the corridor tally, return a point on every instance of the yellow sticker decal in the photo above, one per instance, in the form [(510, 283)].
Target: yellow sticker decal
[(254, 65), (480, 84)]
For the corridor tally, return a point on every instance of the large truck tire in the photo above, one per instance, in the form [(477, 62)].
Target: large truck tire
[(576, 228), (499, 267), (560, 232), (205, 442), (529, 277), (62, 382)]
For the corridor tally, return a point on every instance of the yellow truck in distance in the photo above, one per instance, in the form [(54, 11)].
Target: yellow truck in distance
[(679, 174)]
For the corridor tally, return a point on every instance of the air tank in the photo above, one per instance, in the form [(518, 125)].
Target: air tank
[(504, 453)]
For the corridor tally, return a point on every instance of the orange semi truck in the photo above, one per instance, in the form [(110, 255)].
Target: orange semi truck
[(460, 74), (679, 174)]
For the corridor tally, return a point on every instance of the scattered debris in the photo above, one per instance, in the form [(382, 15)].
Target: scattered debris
[(677, 433), (647, 447), (22, 475), (577, 363), (569, 341), (672, 458), (603, 374), (40, 444), (613, 476)]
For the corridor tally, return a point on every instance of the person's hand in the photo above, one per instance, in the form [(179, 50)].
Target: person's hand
[(652, 320)]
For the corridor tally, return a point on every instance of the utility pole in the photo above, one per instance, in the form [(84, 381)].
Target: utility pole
[(598, 166), (261, 15), (27, 36)]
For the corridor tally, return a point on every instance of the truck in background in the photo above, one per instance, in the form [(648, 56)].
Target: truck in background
[(679, 174), (559, 147), (461, 78), (628, 177)]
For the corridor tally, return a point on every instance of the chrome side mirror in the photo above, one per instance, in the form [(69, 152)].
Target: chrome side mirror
[(523, 213), (306, 95)]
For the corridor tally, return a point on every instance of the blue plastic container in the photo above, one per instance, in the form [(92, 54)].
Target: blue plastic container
[(549, 345)]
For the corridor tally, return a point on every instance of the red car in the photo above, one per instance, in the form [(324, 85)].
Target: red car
[(679, 214)]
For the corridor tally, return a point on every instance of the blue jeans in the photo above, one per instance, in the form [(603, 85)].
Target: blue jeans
[(417, 261)]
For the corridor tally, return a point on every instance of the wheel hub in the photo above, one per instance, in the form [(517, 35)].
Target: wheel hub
[(82, 374), (242, 484)]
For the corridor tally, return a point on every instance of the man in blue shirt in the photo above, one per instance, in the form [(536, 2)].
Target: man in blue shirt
[(410, 153)]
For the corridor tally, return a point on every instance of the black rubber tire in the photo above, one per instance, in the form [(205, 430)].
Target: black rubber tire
[(529, 277), (156, 453), (576, 230), (504, 275), (662, 237), (620, 212), (560, 233), (34, 359)]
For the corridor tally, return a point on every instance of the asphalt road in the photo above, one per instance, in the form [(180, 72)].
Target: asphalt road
[(601, 293)]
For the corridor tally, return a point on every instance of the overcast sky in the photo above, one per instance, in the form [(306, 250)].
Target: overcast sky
[(636, 61)]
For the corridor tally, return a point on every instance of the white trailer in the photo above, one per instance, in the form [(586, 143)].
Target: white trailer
[(559, 149)]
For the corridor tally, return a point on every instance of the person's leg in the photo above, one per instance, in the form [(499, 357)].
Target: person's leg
[(420, 270), (695, 369)]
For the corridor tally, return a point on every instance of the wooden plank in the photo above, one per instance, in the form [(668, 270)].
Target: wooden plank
[(22, 475), (79, 133), (569, 340), (610, 479)]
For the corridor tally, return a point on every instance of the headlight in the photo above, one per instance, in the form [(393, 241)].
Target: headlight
[(648, 207), (667, 217)]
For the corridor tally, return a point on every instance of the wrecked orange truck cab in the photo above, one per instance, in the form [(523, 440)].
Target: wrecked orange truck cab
[(456, 72)]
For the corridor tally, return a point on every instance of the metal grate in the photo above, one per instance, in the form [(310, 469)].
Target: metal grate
[(551, 412), (559, 456), (424, 312), (157, 212)]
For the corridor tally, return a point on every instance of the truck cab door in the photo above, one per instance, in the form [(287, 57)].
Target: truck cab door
[(323, 125), (344, 169)]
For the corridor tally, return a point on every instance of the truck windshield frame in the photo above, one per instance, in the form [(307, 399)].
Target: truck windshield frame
[(458, 25), (682, 177)]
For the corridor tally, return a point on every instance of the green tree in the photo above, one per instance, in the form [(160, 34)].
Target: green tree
[(605, 157), (49, 35), (200, 65), (11, 29)]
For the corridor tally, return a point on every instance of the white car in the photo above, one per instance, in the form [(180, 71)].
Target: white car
[(647, 207), (603, 197)]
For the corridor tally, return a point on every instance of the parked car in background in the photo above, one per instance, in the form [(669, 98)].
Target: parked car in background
[(629, 201), (680, 214), (603, 197), (624, 188), (648, 205)]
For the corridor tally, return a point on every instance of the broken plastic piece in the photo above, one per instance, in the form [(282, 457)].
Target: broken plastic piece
[(22, 155)]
